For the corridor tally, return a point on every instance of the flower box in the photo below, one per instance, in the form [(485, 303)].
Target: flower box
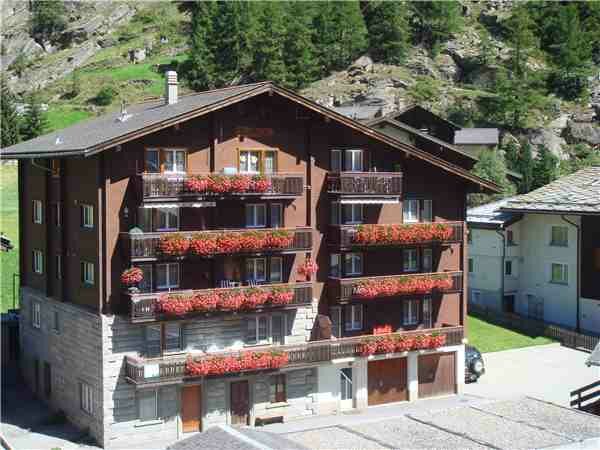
[(132, 276), (402, 285), (402, 234), (222, 184), (220, 365), (390, 344), (174, 245)]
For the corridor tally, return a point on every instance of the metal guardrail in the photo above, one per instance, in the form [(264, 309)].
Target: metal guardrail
[(587, 398)]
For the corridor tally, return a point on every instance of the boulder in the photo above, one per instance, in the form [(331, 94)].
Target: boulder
[(448, 69), (583, 132), (362, 65), (547, 138)]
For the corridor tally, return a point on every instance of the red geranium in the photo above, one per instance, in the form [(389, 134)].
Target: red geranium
[(255, 298), (402, 234), (174, 305), (308, 268), (174, 244), (132, 276), (281, 296), (382, 329), (279, 239), (203, 244), (390, 344), (259, 183), (219, 365), (403, 285)]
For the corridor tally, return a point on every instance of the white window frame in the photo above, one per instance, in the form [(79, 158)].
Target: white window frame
[(410, 210), (169, 227), (87, 216), (427, 312), (335, 265), (245, 167), (254, 207), (155, 415), (410, 312), (170, 284), (353, 214), (38, 262), (554, 243), (427, 255), (274, 261), (337, 320), (413, 262), (157, 152), (564, 271), (36, 315), (88, 273), (336, 159), (268, 320), (252, 269), (356, 317), (86, 398), (426, 210), (276, 211), (352, 162), (174, 152), (353, 257), (38, 212)]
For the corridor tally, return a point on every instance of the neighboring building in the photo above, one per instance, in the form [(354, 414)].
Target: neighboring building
[(221, 198), (538, 254), (475, 141)]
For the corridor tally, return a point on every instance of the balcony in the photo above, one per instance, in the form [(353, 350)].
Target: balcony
[(148, 246), (342, 290), (395, 235), (216, 186), (147, 307), (370, 184), (174, 370)]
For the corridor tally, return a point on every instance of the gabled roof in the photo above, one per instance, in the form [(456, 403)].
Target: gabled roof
[(473, 136), (490, 215), (95, 135), (578, 193), (401, 112)]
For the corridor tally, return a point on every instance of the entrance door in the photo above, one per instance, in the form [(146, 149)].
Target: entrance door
[(346, 388), (437, 375), (509, 303), (387, 381), (240, 403), (191, 408)]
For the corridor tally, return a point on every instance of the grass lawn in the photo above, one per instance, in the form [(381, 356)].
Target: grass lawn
[(488, 337), (9, 225)]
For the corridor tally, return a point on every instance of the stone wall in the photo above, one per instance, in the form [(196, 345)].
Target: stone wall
[(73, 352)]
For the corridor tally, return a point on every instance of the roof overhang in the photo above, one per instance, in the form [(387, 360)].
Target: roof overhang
[(556, 212)]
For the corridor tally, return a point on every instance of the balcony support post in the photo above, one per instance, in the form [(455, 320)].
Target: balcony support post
[(413, 376)]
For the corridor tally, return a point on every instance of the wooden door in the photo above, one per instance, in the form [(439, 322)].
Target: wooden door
[(191, 408), (387, 381), (437, 375), (240, 403)]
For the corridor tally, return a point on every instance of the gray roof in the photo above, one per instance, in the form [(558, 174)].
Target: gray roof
[(359, 112), (578, 193), (108, 130), (485, 136), (490, 215)]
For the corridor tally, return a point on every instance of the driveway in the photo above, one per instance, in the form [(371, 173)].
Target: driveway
[(547, 372)]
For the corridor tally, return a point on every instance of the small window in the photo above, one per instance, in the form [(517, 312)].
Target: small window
[(257, 330), (353, 317), (427, 317), (56, 322), (276, 215), (152, 161), (277, 389), (38, 213), (353, 214), (167, 276), (560, 236), (172, 337), (353, 160), (256, 215), (174, 161), (57, 214), (335, 265), (471, 266), (353, 264), (147, 404), (278, 329), (508, 268), (410, 210), (427, 260), (87, 216), (59, 267), (256, 269), (559, 273), (410, 313), (86, 397), (427, 211), (146, 285), (167, 219), (249, 161), (38, 262), (410, 260), (336, 160), (276, 269), (36, 315), (87, 273), (336, 321)]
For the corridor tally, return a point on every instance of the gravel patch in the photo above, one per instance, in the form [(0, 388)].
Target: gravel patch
[(492, 430), (568, 422), (333, 438)]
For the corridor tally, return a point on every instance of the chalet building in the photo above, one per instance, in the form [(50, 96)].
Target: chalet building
[(169, 255)]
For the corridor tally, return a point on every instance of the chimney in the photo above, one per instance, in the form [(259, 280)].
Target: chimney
[(171, 87)]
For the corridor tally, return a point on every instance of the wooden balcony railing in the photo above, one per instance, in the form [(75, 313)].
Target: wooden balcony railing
[(173, 186), (345, 289), (146, 245), (170, 370), (348, 236), (144, 305), (365, 183)]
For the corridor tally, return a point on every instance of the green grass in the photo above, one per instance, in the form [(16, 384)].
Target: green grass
[(9, 224), (63, 116), (488, 337)]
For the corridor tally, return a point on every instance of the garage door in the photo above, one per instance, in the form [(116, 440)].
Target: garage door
[(387, 381), (437, 374)]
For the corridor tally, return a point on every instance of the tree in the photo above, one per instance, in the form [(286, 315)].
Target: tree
[(299, 51), (200, 69), (9, 119), (573, 50), (47, 18), (526, 167), (492, 167), (388, 29), (521, 35), (435, 22), (268, 43), (34, 122), (545, 167)]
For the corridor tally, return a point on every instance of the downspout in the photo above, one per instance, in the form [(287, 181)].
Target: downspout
[(503, 237), (578, 282)]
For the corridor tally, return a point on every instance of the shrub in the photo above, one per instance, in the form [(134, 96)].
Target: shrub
[(568, 85), (105, 96)]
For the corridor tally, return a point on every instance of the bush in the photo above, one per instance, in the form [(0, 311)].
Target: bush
[(19, 64), (105, 96), (425, 89), (569, 85)]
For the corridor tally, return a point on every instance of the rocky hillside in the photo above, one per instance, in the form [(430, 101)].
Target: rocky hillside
[(126, 45)]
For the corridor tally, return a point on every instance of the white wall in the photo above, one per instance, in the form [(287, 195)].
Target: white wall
[(590, 315)]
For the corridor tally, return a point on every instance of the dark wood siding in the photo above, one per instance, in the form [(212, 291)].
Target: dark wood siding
[(387, 381), (437, 374), (590, 257)]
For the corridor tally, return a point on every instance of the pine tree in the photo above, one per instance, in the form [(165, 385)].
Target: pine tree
[(299, 51), (47, 18), (268, 42), (9, 119), (492, 167), (388, 30), (545, 168), (200, 69), (435, 22), (573, 51), (521, 35), (35, 122), (525, 166), (229, 40)]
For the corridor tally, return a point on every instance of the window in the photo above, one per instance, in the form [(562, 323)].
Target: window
[(256, 269), (410, 260), (336, 321), (86, 397), (147, 404), (258, 330), (510, 238), (353, 317), (163, 338), (55, 167), (353, 160), (535, 307), (410, 313), (56, 321), (167, 276), (559, 273), (256, 161), (36, 315), (336, 160), (353, 264), (256, 215), (174, 161), (38, 262), (410, 210), (470, 236), (167, 219), (87, 273), (58, 267), (146, 284), (57, 212), (276, 269), (427, 211), (471, 266), (278, 329), (427, 319), (427, 260), (152, 161), (276, 215), (277, 389), (559, 237), (38, 212), (508, 268), (334, 265), (87, 216), (352, 214)]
